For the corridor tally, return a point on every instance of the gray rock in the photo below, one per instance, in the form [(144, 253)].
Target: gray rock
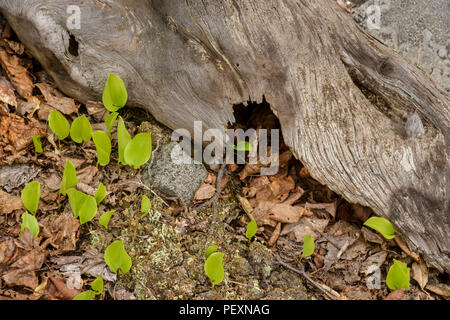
[(172, 176), (418, 29)]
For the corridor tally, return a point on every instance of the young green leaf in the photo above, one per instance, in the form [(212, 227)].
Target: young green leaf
[(243, 146), (139, 150), (31, 195), (212, 248), (100, 194), (83, 205), (308, 246), (214, 268), (251, 229), (123, 138), (105, 217), (69, 179), (117, 258), (103, 146), (145, 206), (97, 285), (110, 119), (115, 94), (398, 276), (37, 144), (58, 124), (81, 129), (85, 295), (29, 222), (381, 225)]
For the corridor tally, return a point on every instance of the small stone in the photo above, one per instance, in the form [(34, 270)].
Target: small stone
[(174, 173)]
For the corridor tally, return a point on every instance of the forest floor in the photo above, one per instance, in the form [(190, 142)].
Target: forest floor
[(167, 246)]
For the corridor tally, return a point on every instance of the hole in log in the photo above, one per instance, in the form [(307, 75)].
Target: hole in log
[(73, 46)]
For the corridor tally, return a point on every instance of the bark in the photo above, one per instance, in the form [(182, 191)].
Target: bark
[(342, 97)]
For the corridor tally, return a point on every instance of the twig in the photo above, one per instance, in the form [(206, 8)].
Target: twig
[(304, 275), (139, 183), (214, 200)]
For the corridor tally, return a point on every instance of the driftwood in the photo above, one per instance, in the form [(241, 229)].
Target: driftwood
[(193, 60)]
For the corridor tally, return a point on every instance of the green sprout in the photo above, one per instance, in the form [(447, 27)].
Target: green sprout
[(83, 205), (123, 138), (97, 289), (29, 222), (146, 205), (31, 195), (213, 266), (105, 218), (59, 125), (243, 146), (37, 144), (69, 179), (139, 150), (110, 120), (252, 227), (115, 94), (381, 225), (117, 258), (81, 129), (398, 276), (103, 146), (100, 194), (308, 246)]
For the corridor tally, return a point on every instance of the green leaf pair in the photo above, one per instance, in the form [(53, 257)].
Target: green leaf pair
[(213, 266), (83, 205), (58, 124), (97, 289), (398, 276), (37, 144), (31, 194), (133, 152), (252, 227), (81, 130), (103, 147), (115, 94), (69, 179), (308, 246), (146, 205)]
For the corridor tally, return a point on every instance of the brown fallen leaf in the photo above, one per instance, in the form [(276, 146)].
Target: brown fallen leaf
[(371, 236), (16, 133), (306, 225), (57, 100), (441, 289), (86, 175), (205, 192), (9, 203), (402, 244), (269, 213), (13, 47), (61, 231), (420, 273), (275, 234), (57, 289), (17, 74), (328, 207), (8, 250), (7, 94), (246, 206), (396, 295), (97, 110), (373, 263)]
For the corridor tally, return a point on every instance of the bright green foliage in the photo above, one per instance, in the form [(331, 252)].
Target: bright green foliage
[(308, 246), (110, 120), (105, 217), (97, 286), (243, 146), (251, 229), (212, 248), (85, 295), (103, 146), (58, 124), (31, 195), (69, 179), (115, 94), (81, 129), (381, 225), (214, 268), (139, 150), (83, 205), (37, 144), (123, 138), (30, 222), (117, 258), (398, 276), (100, 194), (146, 205)]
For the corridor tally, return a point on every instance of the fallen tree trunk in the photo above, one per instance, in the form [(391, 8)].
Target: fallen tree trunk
[(343, 98)]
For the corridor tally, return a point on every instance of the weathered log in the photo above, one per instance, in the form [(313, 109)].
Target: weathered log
[(193, 60)]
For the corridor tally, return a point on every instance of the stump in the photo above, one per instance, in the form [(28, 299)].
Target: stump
[(364, 121)]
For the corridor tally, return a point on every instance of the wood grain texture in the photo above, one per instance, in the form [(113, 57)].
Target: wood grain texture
[(192, 60)]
